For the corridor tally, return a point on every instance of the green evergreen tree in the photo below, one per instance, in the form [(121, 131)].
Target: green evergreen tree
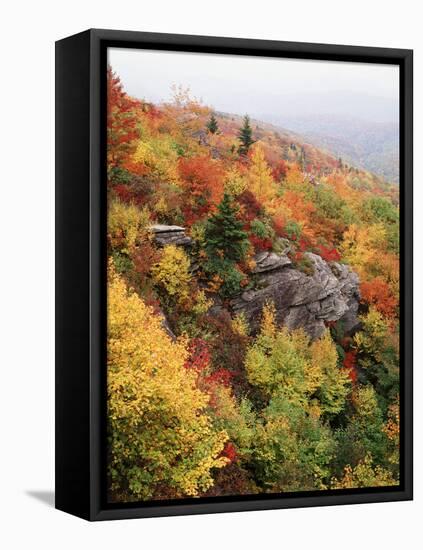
[(224, 232), (245, 136), (212, 125)]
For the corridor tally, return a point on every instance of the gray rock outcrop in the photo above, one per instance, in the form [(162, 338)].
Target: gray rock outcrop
[(301, 300), (170, 234), (331, 293), (269, 261)]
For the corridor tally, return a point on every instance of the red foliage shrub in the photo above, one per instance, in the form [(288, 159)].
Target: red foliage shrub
[(304, 244), (136, 168), (123, 192), (151, 111), (199, 358), (131, 194), (221, 377), (329, 254), (280, 170), (260, 244), (230, 452)]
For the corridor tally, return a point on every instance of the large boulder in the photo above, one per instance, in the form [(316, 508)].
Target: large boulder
[(301, 300)]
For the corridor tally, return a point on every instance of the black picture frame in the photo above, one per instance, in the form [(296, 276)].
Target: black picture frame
[(80, 271)]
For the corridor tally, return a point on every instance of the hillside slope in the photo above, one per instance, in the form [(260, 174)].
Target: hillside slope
[(368, 146), (253, 308)]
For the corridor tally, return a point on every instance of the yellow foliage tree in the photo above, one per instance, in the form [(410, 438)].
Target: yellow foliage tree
[(372, 339), (292, 447), (127, 225), (325, 376), (161, 441), (172, 273), (364, 475), (236, 418), (240, 325), (294, 177), (285, 363), (159, 156), (260, 179), (362, 248), (235, 182)]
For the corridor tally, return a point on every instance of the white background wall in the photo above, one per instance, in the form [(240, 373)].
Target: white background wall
[(28, 32)]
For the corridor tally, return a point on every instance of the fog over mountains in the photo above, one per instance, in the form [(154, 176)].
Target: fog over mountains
[(367, 144), (349, 109)]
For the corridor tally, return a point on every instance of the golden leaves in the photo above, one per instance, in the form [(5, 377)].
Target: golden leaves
[(158, 430)]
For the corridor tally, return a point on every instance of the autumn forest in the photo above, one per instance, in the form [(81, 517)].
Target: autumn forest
[(253, 307)]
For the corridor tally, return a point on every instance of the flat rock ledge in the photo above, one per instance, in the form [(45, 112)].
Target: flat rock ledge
[(269, 261), (170, 234)]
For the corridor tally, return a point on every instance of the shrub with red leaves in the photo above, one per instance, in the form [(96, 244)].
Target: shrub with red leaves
[(221, 377), (230, 452), (303, 244), (260, 244), (124, 193), (301, 247), (199, 358), (329, 254), (280, 170), (350, 364)]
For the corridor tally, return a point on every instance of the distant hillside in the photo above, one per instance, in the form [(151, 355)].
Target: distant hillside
[(370, 146), (292, 145)]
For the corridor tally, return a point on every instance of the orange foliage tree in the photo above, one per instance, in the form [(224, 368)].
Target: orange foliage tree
[(378, 293), (202, 181)]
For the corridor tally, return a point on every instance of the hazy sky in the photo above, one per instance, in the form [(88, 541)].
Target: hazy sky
[(283, 88)]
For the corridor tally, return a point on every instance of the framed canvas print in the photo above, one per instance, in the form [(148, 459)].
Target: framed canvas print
[(233, 274)]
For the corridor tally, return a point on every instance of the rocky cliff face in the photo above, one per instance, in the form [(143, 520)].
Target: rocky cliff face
[(301, 300)]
